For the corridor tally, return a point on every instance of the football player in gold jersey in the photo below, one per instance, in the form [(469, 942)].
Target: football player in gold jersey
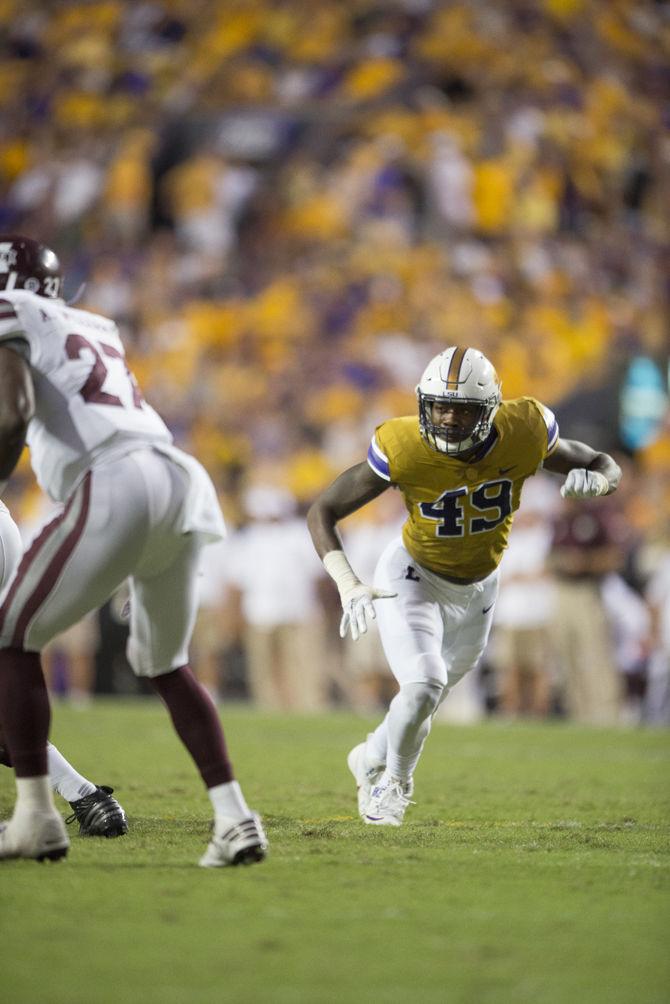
[(460, 467)]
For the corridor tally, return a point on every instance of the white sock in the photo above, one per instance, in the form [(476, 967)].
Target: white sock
[(64, 778), (390, 775), (33, 794), (228, 801), (408, 723), (376, 745), (401, 767)]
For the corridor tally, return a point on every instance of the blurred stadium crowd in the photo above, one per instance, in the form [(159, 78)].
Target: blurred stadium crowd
[(290, 208)]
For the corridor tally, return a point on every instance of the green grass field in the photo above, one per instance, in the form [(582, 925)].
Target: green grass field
[(533, 868)]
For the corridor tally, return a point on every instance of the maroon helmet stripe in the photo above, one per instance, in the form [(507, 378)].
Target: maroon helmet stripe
[(55, 567), (455, 369)]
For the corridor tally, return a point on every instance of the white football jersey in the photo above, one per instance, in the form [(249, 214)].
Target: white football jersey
[(87, 402)]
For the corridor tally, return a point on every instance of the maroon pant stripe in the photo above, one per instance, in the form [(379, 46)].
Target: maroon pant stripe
[(26, 561), (50, 577)]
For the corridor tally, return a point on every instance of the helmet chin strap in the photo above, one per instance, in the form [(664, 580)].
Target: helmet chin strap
[(460, 448)]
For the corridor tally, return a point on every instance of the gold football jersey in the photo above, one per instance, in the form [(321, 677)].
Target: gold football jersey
[(461, 512)]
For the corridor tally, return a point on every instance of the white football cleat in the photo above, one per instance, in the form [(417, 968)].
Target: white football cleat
[(388, 802), (241, 843), (366, 777), (38, 834)]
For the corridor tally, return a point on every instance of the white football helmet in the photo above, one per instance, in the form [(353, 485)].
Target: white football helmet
[(464, 376)]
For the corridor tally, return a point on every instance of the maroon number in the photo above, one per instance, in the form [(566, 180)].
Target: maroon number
[(109, 350), (92, 391)]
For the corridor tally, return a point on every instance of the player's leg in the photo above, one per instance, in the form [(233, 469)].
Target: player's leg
[(36, 829), (65, 780), (99, 812), (33, 791), (163, 609), (93, 806), (408, 721), (467, 614), (71, 567), (410, 627)]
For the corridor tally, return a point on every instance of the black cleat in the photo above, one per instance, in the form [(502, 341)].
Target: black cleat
[(98, 814)]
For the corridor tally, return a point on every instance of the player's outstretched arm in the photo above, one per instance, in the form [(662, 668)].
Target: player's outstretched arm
[(589, 473), (350, 491), (17, 406)]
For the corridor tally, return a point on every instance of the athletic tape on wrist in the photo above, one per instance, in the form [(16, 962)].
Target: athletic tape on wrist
[(340, 571)]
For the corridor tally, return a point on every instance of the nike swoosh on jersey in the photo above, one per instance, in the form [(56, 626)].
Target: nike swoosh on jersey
[(486, 609), (504, 470)]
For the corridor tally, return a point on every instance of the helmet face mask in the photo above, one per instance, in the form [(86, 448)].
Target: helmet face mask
[(27, 264), (457, 378)]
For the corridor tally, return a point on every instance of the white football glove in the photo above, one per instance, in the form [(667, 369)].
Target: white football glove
[(355, 596), (357, 605), (583, 484)]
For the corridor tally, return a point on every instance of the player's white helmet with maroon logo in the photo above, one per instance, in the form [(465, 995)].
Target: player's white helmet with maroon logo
[(460, 376)]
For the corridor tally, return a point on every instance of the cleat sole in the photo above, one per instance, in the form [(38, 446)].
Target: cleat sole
[(121, 832), (55, 855), (110, 833), (249, 856)]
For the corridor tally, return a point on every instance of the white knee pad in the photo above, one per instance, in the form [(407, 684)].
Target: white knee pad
[(420, 700), (426, 667)]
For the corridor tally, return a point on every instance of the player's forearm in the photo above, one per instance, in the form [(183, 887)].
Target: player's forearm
[(322, 525), (608, 467), (571, 454), (350, 491)]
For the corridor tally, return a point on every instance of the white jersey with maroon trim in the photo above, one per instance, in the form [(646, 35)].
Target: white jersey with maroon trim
[(87, 402)]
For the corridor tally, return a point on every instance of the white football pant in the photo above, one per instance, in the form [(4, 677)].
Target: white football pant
[(433, 631), (125, 520)]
